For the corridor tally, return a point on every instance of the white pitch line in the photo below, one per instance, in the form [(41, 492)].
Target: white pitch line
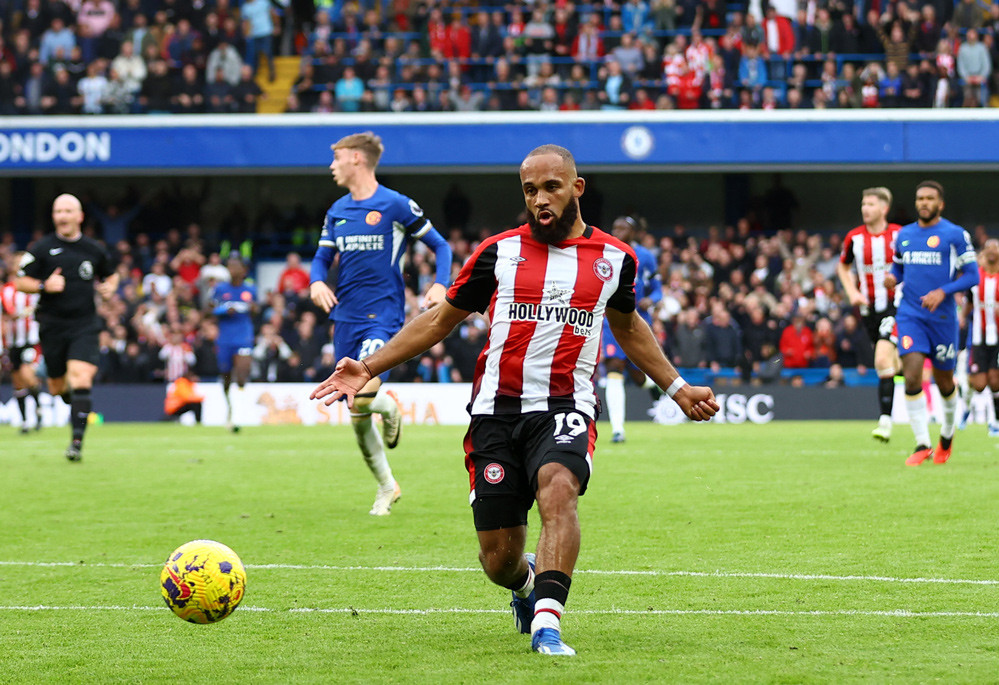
[(455, 569), (895, 613)]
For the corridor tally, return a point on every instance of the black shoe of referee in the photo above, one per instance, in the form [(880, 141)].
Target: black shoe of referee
[(75, 450)]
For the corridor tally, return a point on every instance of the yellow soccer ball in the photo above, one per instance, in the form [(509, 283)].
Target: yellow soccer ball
[(203, 581)]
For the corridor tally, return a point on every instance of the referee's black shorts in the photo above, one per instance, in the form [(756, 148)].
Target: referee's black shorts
[(67, 340)]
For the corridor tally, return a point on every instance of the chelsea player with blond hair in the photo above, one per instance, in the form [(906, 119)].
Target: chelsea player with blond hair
[(370, 228), (935, 259)]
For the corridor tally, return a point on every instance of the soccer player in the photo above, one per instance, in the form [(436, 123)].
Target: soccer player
[(547, 286), (67, 268), (934, 259), (869, 247), (648, 291), (370, 228), (983, 333), (234, 304), (22, 342)]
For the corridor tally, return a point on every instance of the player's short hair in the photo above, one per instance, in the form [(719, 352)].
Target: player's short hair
[(879, 192), (932, 184), (550, 149), (367, 142)]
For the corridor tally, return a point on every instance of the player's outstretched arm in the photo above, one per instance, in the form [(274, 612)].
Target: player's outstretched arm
[(416, 337), (636, 339)]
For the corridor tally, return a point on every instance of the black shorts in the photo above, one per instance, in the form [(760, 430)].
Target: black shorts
[(71, 340), (984, 358), (881, 326), (504, 453), (22, 356)]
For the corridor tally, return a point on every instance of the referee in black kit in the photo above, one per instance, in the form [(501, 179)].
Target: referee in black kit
[(68, 268)]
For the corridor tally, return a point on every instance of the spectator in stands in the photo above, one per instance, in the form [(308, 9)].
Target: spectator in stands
[(259, 28), (157, 89), (93, 89), (689, 343), (57, 42), (722, 339), (59, 95), (853, 348), (928, 32), (915, 89), (752, 72), (246, 93), (970, 14), (824, 341), (890, 87), (348, 90), (130, 67), (898, 39), (218, 94), (615, 86), (797, 344), (269, 353), (974, 66), (189, 93), (629, 55), (226, 58), (294, 280), (93, 19), (589, 46)]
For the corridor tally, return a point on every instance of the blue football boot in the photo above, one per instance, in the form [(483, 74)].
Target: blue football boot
[(549, 641), (523, 608)]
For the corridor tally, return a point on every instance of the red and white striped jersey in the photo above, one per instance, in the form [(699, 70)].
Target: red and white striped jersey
[(177, 359), (546, 307), (19, 310), (872, 254), (985, 312)]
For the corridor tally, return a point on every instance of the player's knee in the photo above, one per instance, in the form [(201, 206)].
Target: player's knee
[(978, 386)]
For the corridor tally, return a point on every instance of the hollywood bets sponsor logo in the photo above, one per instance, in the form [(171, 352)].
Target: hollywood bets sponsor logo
[(580, 319), (45, 146), (493, 473)]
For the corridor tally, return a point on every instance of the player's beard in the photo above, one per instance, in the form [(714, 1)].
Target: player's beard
[(933, 216), (559, 229)]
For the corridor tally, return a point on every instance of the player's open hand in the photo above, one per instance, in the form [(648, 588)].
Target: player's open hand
[(697, 402), (322, 296), (890, 281), (56, 282), (435, 295), (932, 299), (105, 289), (346, 381), (857, 300)]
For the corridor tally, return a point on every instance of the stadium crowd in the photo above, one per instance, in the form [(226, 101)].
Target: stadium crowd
[(168, 56), (740, 302)]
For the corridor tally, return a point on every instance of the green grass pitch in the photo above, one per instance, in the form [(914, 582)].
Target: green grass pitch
[(784, 553)]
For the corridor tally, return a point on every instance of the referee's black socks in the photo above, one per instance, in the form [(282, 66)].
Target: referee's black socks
[(79, 411)]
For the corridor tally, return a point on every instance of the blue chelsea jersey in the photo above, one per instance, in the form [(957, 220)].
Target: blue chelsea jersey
[(233, 306), (371, 237), (929, 258), (646, 278)]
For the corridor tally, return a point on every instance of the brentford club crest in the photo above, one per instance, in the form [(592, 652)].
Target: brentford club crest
[(493, 473), (603, 269)]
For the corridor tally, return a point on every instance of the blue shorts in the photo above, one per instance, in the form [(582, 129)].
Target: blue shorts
[(359, 340), (936, 338), (611, 350), (226, 350)]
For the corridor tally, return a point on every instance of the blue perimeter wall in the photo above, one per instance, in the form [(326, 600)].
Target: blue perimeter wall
[(623, 141)]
